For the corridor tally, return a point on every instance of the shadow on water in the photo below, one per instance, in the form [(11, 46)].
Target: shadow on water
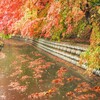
[(28, 74)]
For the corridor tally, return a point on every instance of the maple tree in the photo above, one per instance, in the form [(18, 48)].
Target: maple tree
[(10, 12)]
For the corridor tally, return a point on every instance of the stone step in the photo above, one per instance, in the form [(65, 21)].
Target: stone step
[(68, 55), (68, 45), (63, 48), (56, 53)]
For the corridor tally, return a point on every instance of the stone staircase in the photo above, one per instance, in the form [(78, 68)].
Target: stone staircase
[(67, 51)]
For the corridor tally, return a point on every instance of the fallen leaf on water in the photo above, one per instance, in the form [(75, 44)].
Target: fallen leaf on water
[(21, 88), (24, 78), (16, 86), (61, 72), (52, 90), (72, 78), (70, 94), (58, 81), (37, 95), (16, 73), (96, 89), (82, 87), (86, 97), (23, 61), (13, 84), (42, 94)]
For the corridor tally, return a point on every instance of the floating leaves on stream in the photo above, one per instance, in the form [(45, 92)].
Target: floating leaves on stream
[(44, 94), (17, 86), (25, 77), (39, 77)]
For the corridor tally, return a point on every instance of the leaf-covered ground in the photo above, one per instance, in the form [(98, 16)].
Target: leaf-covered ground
[(28, 74)]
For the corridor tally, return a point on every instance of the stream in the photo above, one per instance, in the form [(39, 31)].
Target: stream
[(27, 73)]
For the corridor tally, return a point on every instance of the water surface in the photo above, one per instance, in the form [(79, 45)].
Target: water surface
[(29, 74)]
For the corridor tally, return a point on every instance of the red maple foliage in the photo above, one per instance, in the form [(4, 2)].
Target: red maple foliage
[(10, 12), (58, 81), (61, 72)]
